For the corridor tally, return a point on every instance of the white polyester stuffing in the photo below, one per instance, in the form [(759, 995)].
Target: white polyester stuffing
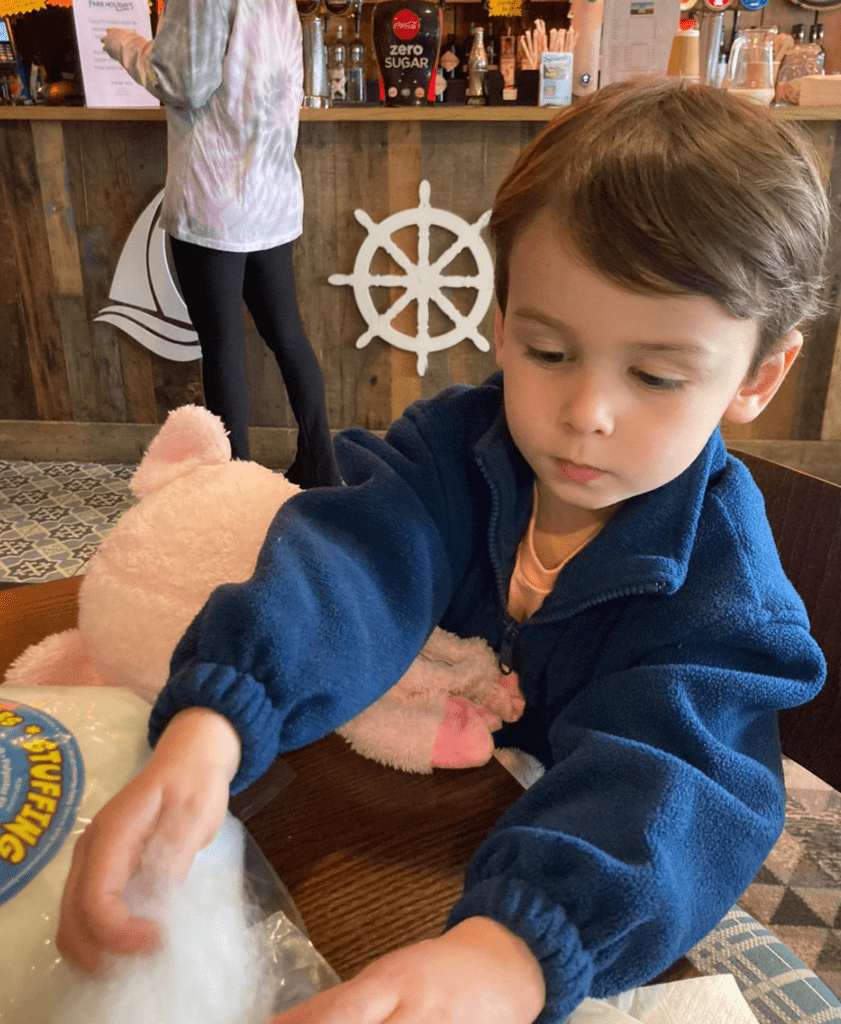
[(212, 969)]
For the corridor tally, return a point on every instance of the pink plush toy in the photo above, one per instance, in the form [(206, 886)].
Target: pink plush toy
[(200, 522)]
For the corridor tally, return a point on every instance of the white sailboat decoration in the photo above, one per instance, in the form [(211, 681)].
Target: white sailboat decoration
[(149, 305)]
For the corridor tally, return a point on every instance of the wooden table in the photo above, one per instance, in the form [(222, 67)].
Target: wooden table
[(373, 857)]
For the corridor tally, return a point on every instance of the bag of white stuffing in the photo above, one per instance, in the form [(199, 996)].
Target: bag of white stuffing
[(64, 752)]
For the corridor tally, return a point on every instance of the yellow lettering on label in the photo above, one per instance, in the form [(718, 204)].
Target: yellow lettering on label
[(23, 829), (36, 815), (43, 803), (28, 813), (47, 788), (38, 746), (47, 772), (9, 719), (53, 757), (11, 848)]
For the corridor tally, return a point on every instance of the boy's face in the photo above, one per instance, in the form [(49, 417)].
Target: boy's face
[(608, 393)]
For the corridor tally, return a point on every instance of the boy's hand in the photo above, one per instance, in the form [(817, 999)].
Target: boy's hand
[(477, 971), (160, 820)]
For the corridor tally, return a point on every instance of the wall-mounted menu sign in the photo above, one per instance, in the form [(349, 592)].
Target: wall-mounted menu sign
[(107, 83), (637, 37)]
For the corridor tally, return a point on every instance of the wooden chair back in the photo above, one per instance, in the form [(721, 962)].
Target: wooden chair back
[(805, 517)]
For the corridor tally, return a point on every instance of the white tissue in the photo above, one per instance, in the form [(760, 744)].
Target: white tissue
[(714, 999)]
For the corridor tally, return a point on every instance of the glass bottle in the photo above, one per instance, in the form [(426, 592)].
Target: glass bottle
[(477, 68), (816, 39), (450, 59), (803, 59), (466, 46), (337, 68), (491, 50), (356, 72), (449, 68)]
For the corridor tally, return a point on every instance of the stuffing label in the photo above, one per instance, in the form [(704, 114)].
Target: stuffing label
[(42, 780)]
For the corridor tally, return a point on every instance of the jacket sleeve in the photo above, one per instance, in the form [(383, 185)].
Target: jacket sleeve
[(182, 66), (348, 586), (664, 798)]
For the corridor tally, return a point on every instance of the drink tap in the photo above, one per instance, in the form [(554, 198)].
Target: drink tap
[(316, 83)]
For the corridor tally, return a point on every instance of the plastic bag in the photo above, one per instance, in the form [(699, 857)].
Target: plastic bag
[(63, 753)]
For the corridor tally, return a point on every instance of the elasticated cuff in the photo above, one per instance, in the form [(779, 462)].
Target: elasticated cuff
[(544, 927), (239, 698)]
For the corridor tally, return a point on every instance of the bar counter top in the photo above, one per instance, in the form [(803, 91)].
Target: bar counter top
[(450, 112)]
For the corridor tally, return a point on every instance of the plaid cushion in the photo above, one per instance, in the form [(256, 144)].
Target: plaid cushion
[(778, 986)]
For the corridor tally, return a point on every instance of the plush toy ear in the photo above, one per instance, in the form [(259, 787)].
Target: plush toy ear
[(191, 437)]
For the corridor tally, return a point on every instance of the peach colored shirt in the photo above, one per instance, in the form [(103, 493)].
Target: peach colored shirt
[(531, 580)]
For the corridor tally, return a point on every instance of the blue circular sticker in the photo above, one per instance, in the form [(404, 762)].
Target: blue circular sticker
[(753, 5), (42, 780)]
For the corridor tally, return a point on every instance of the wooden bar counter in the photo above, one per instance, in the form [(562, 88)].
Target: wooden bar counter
[(73, 182)]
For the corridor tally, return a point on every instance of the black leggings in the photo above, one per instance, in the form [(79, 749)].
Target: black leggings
[(214, 283)]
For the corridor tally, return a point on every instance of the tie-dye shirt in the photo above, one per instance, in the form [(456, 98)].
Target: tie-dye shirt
[(230, 73)]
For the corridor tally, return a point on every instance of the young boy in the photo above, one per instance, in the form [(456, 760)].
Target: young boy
[(656, 248)]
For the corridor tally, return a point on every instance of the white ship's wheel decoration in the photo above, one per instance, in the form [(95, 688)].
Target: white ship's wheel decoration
[(423, 282)]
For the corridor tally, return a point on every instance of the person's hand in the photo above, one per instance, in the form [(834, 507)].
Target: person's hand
[(113, 40), (477, 971), (159, 821)]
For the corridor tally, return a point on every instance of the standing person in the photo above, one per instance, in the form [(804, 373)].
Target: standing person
[(580, 511), (230, 74)]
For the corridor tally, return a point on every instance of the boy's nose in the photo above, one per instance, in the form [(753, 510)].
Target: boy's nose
[(588, 408)]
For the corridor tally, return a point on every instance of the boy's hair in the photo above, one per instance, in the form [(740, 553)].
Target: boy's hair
[(671, 188)]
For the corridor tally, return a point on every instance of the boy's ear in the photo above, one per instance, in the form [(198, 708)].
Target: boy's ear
[(498, 335), (753, 396)]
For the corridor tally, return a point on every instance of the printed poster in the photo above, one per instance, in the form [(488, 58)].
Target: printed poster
[(106, 82), (637, 37)]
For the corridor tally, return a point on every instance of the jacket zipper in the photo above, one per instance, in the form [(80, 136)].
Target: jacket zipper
[(510, 635), (505, 658)]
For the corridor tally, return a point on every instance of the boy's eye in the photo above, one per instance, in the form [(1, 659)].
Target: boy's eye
[(659, 383), (546, 357)]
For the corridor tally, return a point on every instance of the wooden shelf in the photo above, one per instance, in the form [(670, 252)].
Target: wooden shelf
[(443, 112)]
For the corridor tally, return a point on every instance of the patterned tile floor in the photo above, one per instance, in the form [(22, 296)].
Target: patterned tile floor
[(53, 515)]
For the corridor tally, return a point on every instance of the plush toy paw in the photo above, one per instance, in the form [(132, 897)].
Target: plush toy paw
[(463, 739), (443, 710), (504, 699)]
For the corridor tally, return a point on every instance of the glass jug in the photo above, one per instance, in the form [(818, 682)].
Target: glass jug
[(750, 70), (804, 59)]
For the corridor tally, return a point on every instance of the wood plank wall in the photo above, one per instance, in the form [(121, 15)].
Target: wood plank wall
[(71, 190)]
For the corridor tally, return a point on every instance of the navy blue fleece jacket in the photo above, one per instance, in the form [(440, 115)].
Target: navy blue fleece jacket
[(652, 675)]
